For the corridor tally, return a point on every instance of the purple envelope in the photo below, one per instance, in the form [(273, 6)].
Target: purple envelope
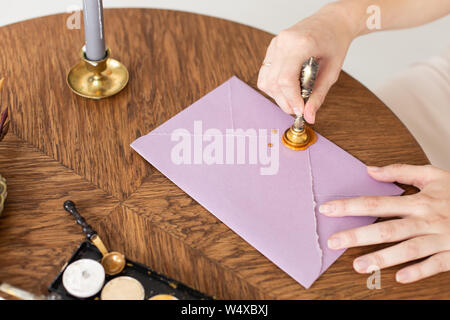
[(225, 151)]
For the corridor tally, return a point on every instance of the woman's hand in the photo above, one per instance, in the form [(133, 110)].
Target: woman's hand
[(423, 227), (326, 35)]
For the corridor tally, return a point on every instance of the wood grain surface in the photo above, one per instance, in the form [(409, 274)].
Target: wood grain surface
[(62, 146)]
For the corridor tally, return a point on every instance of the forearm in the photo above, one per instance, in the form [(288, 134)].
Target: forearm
[(393, 14)]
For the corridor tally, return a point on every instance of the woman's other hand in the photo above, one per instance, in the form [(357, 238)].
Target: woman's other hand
[(423, 229)]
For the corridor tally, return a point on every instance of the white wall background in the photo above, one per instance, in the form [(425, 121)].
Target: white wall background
[(371, 58)]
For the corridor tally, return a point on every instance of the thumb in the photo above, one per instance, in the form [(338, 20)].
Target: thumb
[(328, 75), (418, 176)]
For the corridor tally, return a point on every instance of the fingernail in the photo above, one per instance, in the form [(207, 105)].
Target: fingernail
[(307, 118), (326, 208), (402, 276), (373, 169), (361, 264), (334, 243)]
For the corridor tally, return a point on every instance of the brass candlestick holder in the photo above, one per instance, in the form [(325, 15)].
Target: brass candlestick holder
[(300, 136), (97, 79)]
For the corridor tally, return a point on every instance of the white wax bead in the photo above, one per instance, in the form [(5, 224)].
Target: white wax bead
[(84, 278)]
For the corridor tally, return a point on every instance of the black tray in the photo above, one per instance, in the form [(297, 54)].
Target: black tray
[(153, 282)]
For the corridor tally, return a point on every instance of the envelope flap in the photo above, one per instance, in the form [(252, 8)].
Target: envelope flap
[(339, 174)]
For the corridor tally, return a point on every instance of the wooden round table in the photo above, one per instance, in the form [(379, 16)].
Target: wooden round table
[(63, 146)]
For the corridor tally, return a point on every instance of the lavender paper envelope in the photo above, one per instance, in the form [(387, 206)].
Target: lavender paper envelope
[(276, 213)]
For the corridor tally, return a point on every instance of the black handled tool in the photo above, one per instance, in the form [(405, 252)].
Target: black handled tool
[(113, 262), (69, 206)]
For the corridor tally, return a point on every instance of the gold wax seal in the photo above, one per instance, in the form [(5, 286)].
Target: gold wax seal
[(299, 139)]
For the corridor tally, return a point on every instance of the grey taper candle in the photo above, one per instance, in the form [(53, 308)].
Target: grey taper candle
[(93, 29)]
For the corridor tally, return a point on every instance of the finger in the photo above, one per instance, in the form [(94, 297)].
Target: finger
[(264, 69), (374, 206), (273, 88), (381, 232), (418, 176), (405, 251), (435, 264), (326, 77), (281, 101), (289, 81)]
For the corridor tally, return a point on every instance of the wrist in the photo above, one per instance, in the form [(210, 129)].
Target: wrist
[(351, 14)]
